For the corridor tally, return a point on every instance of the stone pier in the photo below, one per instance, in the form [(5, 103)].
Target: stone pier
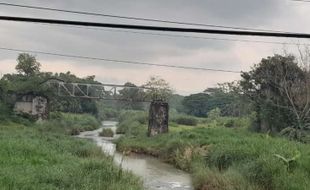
[(158, 118)]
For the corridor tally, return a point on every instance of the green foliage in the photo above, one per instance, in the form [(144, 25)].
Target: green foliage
[(289, 162), (71, 124), (133, 97), (105, 112), (214, 114), (206, 178), (159, 89), (296, 134), (175, 103), (279, 89), (227, 158), (106, 133), (31, 81), (4, 111), (33, 159), (132, 123), (197, 104), (227, 97), (186, 120), (27, 64)]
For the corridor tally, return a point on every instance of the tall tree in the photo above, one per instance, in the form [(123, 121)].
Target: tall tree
[(158, 89), (133, 96), (27, 64), (280, 89), (197, 104)]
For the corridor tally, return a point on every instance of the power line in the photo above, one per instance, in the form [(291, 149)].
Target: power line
[(155, 28), (189, 37), (131, 18), (117, 61)]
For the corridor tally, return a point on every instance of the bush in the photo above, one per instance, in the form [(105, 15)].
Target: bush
[(139, 116), (214, 114), (4, 111), (131, 128), (230, 123), (132, 123), (106, 133), (205, 178), (186, 120), (71, 124)]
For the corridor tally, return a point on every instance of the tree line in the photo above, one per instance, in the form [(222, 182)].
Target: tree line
[(29, 79), (276, 90)]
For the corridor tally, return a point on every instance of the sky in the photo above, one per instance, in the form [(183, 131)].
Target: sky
[(283, 15)]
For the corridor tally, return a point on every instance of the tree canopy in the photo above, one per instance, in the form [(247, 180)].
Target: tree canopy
[(280, 90), (27, 64), (158, 89)]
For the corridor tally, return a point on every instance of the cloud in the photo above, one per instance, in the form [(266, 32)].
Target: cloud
[(272, 14)]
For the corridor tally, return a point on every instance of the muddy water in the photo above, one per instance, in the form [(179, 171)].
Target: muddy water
[(156, 175)]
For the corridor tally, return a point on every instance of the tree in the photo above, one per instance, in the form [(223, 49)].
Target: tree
[(133, 96), (27, 64), (229, 98), (280, 90), (197, 104), (175, 103), (158, 89)]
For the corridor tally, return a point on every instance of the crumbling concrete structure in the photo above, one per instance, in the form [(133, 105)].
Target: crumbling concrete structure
[(158, 118), (32, 105)]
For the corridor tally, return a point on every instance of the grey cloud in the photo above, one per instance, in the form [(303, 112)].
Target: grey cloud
[(137, 47)]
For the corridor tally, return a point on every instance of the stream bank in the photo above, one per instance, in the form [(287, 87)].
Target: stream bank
[(155, 174)]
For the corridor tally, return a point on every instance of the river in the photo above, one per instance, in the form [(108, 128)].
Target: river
[(156, 175)]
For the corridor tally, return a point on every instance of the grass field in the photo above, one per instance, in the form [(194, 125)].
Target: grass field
[(225, 158), (39, 157)]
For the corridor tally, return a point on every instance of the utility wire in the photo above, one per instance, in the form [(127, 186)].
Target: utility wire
[(131, 18), (188, 37), (117, 61), (155, 28)]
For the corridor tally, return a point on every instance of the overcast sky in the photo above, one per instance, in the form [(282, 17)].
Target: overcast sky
[(281, 15)]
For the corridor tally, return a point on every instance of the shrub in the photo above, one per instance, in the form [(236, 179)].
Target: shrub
[(132, 123), (230, 123), (187, 120), (71, 124), (106, 133), (131, 128), (214, 114)]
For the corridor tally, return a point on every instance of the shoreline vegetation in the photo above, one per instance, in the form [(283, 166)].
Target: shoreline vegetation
[(221, 157), (250, 134), (45, 156)]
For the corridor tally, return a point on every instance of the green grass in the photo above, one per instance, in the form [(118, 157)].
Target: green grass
[(226, 158), (106, 133), (34, 158), (71, 124)]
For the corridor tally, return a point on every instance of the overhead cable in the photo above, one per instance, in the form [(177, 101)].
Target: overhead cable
[(118, 61), (155, 28), (130, 17)]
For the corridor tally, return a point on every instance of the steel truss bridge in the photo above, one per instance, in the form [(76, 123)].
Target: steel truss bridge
[(96, 91)]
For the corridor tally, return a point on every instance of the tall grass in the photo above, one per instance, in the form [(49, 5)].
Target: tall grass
[(227, 158), (40, 159), (71, 124)]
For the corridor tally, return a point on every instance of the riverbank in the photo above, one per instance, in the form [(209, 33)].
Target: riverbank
[(154, 173), (223, 158), (43, 156)]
